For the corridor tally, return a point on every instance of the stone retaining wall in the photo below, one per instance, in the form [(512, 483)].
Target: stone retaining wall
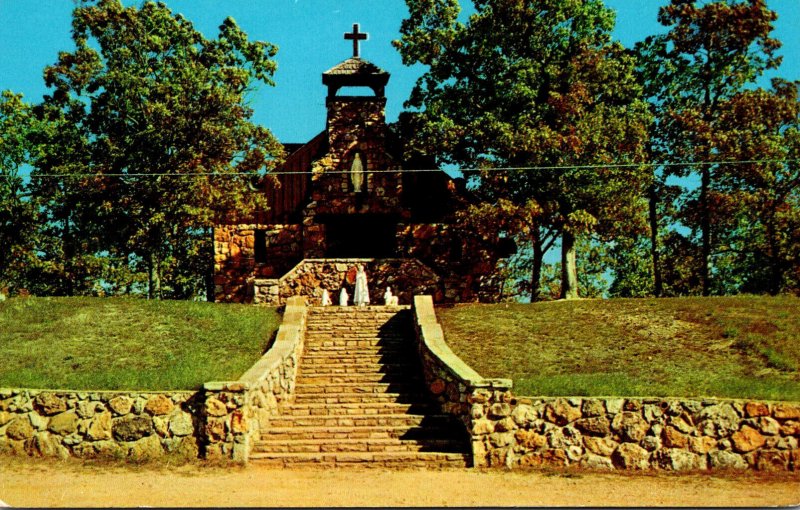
[(604, 433), (406, 277), (99, 424), (217, 422)]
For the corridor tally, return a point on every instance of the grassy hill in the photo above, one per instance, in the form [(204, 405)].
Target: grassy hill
[(725, 347), (133, 344)]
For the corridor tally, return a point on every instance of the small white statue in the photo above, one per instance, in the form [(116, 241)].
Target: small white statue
[(361, 295), (343, 297), (389, 299), (326, 298), (357, 173)]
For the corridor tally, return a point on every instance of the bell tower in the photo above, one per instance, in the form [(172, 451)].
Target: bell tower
[(356, 124)]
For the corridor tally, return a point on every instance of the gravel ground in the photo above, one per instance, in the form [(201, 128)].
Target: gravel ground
[(36, 483)]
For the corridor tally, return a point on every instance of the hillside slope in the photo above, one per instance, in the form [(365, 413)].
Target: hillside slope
[(126, 343), (740, 347)]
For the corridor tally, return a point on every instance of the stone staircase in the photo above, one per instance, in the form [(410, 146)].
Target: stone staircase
[(360, 399)]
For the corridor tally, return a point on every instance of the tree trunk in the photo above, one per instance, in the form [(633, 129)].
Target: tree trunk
[(536, 269), (569, 267), (705, 227), (658, 286), (775, 270), (154, 278), (209, 279)]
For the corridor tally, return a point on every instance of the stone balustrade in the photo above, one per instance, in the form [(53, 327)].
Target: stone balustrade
[(604, 432), (235, 411)]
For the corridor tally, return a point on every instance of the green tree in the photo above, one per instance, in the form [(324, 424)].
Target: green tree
[(160, 137), (524, 84), (710, 53), (762, 199), (17, 215)]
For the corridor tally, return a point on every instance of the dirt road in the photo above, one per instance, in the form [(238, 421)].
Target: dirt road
[(56, 484)]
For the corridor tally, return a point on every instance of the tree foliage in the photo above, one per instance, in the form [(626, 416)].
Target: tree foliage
[(17, 215), (149, 136), (711, 52), (523, 84)]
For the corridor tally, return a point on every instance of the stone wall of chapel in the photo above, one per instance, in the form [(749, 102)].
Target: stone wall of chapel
[(356, 125), (235, 264)]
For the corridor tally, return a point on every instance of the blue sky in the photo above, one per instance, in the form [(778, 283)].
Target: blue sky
[(309, 36)]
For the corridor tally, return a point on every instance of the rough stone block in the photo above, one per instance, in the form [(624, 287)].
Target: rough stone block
[(755, 409), (181, 424), (725, 418), (703, 444), (132, 428), (561, 412), (20, 429), (772, 460), (530, 440), (49, 404), (499, 410), (598, 426), (146, 448), (100, 427), (631, 456), (679, 460), (747, 440), (674, 439), (593, 407), (723, 459), (592, 461), (121, 405), (523, 415), (215, 407), (604, 446), (63, 424), (614, 405), (159, 405), (631, 426), (786, 412)]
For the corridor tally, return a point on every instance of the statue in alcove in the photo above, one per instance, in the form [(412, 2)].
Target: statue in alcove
[(357, 173)]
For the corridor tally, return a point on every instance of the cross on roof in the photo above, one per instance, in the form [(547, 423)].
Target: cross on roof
[(356, 36)]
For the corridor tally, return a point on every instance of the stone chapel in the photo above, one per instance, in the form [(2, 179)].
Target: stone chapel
[(343, 199)]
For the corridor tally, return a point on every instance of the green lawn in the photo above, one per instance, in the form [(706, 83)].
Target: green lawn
[(128, 344), (741, 347)]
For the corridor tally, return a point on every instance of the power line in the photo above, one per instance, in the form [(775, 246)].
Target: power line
[(429, 170)]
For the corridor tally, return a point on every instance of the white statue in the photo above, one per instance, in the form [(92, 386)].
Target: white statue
[(326, 298), (343, 297), (389, 299), (361, 295), (357, 173)]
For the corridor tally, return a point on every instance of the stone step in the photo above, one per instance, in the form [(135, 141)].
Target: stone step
[(409, 397), (373, 350), (360, 310), (360, 408), (353, 343), (442, 431), (390, 420), (364, 388), (393, 378), (355, 334), (365, 459), (367, 357), (373, 330), (390, 444), (340, 368)]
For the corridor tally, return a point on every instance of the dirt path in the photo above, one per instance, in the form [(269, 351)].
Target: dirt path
[(37, 483)]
